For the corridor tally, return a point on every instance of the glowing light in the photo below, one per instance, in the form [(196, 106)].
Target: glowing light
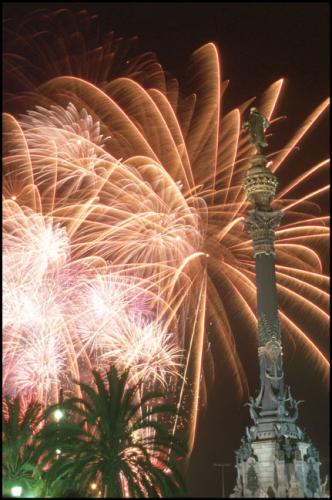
[(16, 491), (58, 415)]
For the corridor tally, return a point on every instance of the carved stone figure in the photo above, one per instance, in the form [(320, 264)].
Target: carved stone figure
[(313, 453), (246, 449), (252, 409), (251, 433), (322, 490), (282, 413), (295, 491), (256, 126), (312, 480), (237, 492), (288, 449), (252, 480), (262, 493), (271, 356), (300, 433), (295, 407), (278, 429)]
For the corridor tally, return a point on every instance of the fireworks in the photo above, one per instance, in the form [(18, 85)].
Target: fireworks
[(58, 313), (34, 254), (143, 346), (123, 223), (66, 133)]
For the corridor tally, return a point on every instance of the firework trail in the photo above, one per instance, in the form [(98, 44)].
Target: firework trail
[(144, 189)]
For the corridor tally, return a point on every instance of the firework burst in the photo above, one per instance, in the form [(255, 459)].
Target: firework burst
[(150, 352), (146, 183)]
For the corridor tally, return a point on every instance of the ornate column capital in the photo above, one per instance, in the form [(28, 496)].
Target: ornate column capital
[(260, 184), (261, 226)]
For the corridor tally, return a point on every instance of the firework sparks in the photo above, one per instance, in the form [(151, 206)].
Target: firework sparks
[(65, 132), (115, 190), (101, 304), (150, 352)]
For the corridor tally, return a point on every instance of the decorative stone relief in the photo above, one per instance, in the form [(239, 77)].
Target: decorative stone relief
[(268, 329), (261, 227)]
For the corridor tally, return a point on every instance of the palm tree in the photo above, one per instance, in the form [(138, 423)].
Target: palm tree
[(111, 440), (20, 422)]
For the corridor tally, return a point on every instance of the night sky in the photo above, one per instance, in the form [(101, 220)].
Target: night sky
[(258, 43)]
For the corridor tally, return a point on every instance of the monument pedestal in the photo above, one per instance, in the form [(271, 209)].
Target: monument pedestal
[(282, 467)]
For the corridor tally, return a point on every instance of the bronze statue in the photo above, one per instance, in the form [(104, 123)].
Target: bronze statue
[(256, 126)]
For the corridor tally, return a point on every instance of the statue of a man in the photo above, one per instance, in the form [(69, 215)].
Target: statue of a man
[(256, 125)]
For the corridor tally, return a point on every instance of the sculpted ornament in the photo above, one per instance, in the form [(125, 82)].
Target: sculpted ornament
[(237, 492), (261, 225), (252, 409), (295, 407), (262, 493), (272, 353), (251, 433), (246, 449), (268, 329)]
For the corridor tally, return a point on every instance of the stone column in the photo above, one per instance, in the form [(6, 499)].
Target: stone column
[(261, 222)]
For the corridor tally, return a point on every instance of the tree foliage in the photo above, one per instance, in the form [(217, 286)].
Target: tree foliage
[(113, 436), (20, 422)]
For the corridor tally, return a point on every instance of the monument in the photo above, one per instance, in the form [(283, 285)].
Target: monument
[(276, 458)]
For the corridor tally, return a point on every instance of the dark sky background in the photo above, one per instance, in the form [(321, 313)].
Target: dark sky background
[(258, 43)]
